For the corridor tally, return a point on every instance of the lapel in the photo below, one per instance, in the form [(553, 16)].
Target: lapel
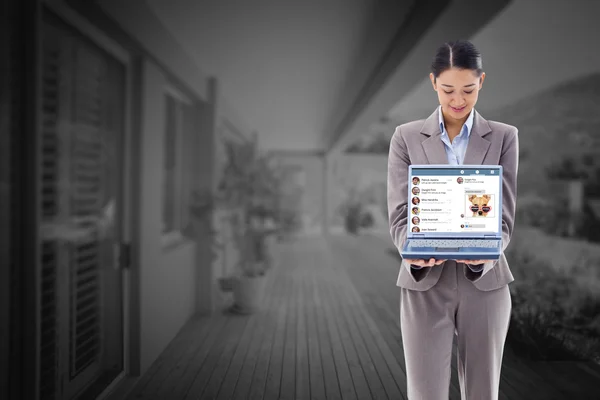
[(435, 150)]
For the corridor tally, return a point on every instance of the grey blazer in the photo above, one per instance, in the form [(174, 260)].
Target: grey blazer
[(419, 142)]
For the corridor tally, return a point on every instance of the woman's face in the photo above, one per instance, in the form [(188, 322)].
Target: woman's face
[(458, 90)]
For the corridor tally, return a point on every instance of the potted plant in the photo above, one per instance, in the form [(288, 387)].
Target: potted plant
[(256, 258), (351, 209), (250, 185), (202, 206)]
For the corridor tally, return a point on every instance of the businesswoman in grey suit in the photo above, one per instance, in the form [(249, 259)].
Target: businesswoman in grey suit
[(443, 298)]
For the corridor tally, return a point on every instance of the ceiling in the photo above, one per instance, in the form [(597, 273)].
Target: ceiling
[(281, 64), (304, 74)]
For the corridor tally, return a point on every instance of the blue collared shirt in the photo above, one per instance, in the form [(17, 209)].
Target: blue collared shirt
[(456, 150)]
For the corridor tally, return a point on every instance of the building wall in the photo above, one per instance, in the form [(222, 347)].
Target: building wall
[(167, 277)]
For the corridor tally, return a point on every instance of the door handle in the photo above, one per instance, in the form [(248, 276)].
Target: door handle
[(122, 255)]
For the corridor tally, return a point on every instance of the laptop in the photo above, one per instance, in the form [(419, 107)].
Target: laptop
[(454, 212)]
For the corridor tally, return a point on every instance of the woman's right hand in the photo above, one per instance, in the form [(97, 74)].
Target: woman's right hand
[(424, 263)]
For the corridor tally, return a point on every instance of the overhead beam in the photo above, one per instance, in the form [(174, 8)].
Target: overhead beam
[(390, 23), (406, 63)]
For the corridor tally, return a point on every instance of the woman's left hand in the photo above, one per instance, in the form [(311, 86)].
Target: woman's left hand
[(472, 262)]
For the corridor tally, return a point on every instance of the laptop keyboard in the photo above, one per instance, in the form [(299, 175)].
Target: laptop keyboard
[(453, 243)]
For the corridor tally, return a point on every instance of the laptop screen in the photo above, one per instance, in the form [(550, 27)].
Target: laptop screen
[(461, 200)]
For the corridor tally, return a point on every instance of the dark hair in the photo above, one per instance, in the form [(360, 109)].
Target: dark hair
[(459, 54)]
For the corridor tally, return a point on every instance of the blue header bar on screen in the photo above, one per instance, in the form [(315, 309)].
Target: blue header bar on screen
[(454, 171)]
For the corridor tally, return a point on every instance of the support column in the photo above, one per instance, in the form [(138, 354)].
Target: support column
[(329, 164), (325, 195), (205, 170)]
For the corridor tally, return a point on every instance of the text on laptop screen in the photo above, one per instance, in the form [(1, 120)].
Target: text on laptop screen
[(454, 200)]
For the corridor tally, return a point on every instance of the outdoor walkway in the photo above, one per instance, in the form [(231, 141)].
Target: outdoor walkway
[(328, 330)]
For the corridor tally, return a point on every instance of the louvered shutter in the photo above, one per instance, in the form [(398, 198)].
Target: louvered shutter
[(170, 164), (49, 211), (87, 196), (187, 171), (73, 190)]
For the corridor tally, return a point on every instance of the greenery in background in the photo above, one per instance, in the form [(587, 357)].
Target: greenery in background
[(353, 210), (251, 187), (201, 207), (550, 215), (586, 168), (553, 318)]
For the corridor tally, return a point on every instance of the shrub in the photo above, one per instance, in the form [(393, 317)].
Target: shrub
[(551, 312)]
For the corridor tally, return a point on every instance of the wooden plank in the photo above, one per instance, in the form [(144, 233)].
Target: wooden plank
[(317, 375), (265, 329), (288, 372), (355, 346), (330, 374), (392, 337), (302, 372), (275, 367), (360, 322), (346, 360), (386, 365), (253, 332), (359, 380), (156, 373), (231, 335), (268, 365), (235, 349), (182, 382), (173, 379)]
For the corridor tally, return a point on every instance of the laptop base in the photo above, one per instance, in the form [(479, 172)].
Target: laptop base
[(466, 253)]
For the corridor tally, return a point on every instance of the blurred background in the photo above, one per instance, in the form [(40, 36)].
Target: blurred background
[(193, 193)]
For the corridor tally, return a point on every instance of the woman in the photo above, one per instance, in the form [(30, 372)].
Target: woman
[(441, 298)]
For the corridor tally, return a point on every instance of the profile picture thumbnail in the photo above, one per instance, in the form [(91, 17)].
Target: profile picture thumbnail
[(416, 180), (459, 179), (416, 220), (415, 210), (416, 190), (416, 200), (416, 229)]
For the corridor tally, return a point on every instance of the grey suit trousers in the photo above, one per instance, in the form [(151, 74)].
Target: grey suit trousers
[(429, 320)]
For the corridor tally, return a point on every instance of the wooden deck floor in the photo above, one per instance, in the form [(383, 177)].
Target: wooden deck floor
[(328, 330)]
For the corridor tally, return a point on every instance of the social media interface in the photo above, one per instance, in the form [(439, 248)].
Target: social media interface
[(459, 201)]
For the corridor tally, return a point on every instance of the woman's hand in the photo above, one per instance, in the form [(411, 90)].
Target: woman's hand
[(424, 263), (472, 262)]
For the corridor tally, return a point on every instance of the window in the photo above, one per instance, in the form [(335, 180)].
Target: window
[(176, 163)]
